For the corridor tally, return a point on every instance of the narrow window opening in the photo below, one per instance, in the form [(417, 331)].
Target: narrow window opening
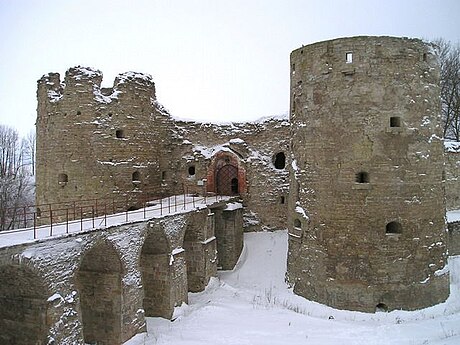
[(282, 199), (120, 133), (163, 175), (362, 177), (393, 228), (136, 176), (349, 57), (280, 160), (39, 212), (191, 170), (424, 57), (395, 121), (63, 178), (293, 67), (110, 114), (297, 224), (381, 307), (78, 112)]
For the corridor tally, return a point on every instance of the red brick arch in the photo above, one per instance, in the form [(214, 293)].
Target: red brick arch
[(224, 167)]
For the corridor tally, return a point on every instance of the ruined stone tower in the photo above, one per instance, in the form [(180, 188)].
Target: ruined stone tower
[(366, 201), (88, 137)]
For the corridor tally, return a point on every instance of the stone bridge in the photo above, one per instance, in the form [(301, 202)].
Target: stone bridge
[(97, 286)]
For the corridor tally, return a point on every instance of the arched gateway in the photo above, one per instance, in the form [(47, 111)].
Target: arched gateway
[(226, 175)]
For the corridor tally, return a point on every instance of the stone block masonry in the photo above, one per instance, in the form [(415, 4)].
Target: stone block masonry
[(98, 286), (367, 208), (357, 173), (118, 143), (454, 238)]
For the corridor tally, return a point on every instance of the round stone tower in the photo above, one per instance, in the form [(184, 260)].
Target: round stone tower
[(366, 218)]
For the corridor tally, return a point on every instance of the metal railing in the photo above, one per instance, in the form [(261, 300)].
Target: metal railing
[(91, 213)]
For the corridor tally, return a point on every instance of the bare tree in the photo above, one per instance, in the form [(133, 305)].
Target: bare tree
[(16, 185), (449, 56), (29, 152)]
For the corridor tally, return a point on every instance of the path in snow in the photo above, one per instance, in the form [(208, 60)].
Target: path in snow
[(253, 305)]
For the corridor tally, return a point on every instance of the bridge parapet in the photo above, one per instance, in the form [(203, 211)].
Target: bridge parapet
[(99, 284)]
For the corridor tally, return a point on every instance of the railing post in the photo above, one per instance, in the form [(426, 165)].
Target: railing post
[(35, 225), (74, 211), (92, 210), (113, 205), (169, 204), (193, 201), (96, 208), (25, 218), (175, 203), (51, 222), (126, 214), (49, 210), (161, 206), (144, 208), (105, 215), (67, 220), (81, 218), (184, 200)]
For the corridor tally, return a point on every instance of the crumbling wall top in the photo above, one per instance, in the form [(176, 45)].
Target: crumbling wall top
[(87, 79)]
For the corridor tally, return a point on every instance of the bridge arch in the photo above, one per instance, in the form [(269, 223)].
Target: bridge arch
[(99, 283), (156, 273), (23, 301)]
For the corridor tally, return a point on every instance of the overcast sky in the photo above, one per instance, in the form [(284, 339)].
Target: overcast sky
[(211, 60)]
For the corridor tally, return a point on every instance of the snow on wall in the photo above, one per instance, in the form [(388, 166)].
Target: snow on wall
[(57, 261)]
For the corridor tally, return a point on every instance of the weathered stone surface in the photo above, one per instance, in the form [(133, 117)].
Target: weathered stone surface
[(454, 238), (121, 143), (230, 236), (94, 286), (452, 176), (356, 174), (366, 199)]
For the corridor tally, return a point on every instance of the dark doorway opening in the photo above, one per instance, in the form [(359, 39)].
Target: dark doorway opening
[(382, 307), (227, 180), (234, 185)]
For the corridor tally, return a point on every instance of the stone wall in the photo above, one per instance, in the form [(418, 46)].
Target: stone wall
[(97, 143), (366, 201), (94, 286), (453, 238), (229, 235), (253, 147), (452, 175), (119, 143), (23, 311)]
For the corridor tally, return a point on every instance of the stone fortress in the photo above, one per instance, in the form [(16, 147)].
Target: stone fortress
[(357, 173)]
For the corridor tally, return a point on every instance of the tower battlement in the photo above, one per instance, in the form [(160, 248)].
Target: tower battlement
[(85, 82)]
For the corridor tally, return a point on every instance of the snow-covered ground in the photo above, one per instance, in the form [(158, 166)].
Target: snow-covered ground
[(252, 305)]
